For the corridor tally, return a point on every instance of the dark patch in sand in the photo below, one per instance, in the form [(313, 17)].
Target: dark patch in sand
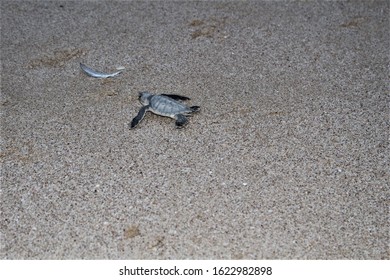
[(354, 22), (58, 59), (131, 232), (25, 152), (196, 22), (208, 28)]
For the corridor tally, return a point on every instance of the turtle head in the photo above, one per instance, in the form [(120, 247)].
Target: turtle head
[(144, 97)]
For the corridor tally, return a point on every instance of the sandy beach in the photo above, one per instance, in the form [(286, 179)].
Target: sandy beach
[(287, 159)]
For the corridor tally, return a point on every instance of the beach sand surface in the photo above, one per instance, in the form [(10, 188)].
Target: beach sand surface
[(287, 159)]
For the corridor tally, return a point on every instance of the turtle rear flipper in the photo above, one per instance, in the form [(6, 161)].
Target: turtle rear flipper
[(139, 117), (176, 97), (195, 108), (181, 120)]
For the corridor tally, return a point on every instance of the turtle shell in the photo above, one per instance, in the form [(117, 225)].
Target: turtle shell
[(166, 106)]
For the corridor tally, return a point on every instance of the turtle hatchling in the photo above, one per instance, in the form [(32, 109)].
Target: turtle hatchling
[(166, 105)]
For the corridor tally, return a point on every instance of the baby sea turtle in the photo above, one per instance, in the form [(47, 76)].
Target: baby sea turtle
[(166, 105)]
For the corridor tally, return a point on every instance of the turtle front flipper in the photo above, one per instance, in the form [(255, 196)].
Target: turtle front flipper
[(139, 117), (176, 97), (181, 120)]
